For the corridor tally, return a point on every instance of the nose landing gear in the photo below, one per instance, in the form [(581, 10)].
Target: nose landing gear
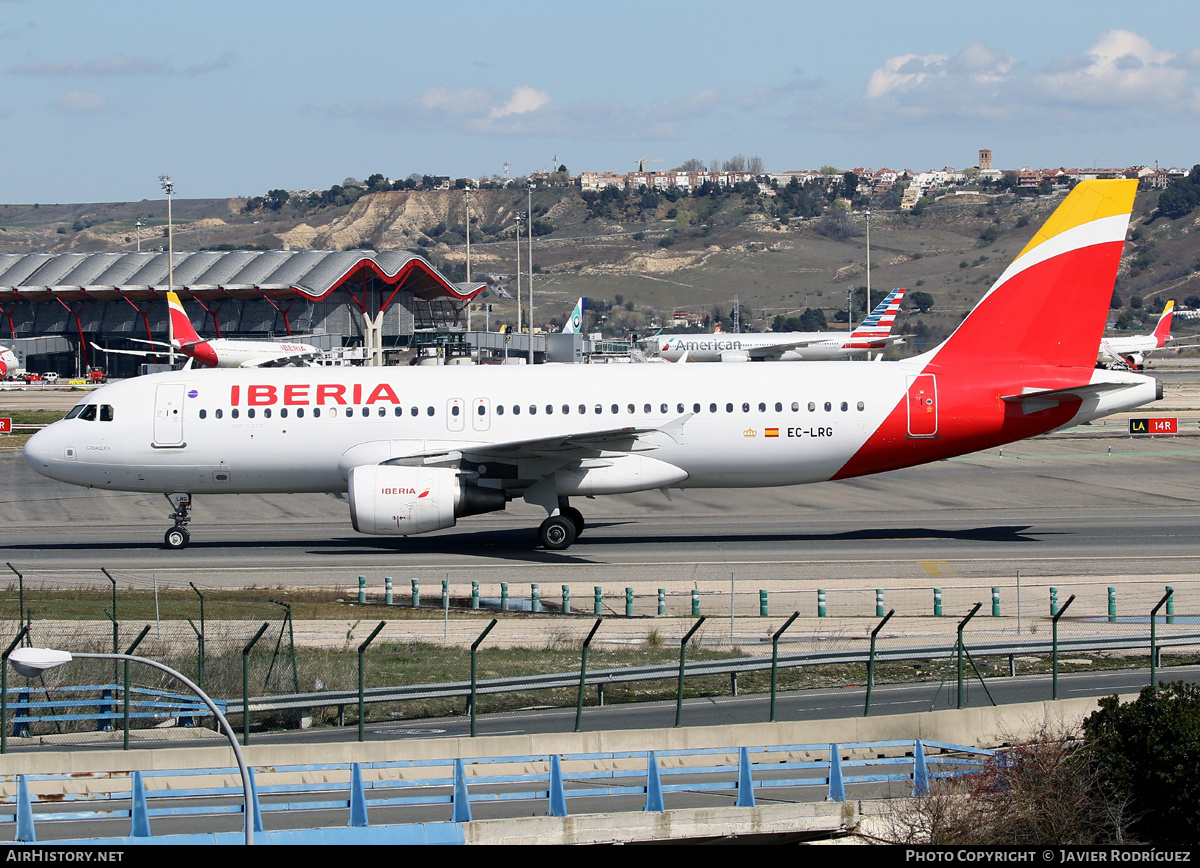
[(178, 536)]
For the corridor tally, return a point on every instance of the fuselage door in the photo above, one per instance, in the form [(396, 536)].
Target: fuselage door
[(481, 414), (456, 409), (168, 415), (922, 406)]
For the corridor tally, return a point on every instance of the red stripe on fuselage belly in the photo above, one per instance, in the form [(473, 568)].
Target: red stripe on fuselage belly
[(971, 417)]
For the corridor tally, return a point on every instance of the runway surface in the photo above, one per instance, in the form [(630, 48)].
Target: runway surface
[(1059, 506)]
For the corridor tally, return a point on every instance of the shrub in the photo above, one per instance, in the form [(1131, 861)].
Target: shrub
[(1147, 752)]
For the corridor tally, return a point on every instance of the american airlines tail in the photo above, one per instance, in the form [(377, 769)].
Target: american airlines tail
[(883, 317), (1162, 332), (183, 334)]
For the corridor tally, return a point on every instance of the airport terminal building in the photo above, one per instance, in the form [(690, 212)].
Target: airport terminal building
[(55, 306)]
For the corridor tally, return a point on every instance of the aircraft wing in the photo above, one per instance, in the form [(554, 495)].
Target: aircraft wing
[(564, 447), (775, 351), (129, 352), (279, 361)]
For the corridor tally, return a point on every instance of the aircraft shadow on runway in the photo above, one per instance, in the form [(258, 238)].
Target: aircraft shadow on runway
[(519, 544)]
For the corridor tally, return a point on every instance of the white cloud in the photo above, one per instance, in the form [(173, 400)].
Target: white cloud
[(528, 111), (523, 100), (1120, 72), (78, 102)]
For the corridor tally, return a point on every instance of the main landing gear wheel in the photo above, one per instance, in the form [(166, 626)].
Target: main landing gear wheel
[(575, 516), (177, 538), (557, 533)]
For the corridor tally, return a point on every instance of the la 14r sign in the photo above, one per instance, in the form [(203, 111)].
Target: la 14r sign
[(1164, 425)]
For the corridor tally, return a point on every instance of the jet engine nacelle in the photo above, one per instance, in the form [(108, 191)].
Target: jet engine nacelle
[(401, 501), (735, 356)]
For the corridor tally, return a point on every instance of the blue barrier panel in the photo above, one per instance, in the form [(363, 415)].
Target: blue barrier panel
[(745, 797), (654, 792), (920, 771), (837, 787), (24, 812), (255, 809), (358, 799), (558, 798), (140, 825), (461, 802)]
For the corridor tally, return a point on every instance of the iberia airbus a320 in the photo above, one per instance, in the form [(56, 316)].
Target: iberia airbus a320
[(417, 448)]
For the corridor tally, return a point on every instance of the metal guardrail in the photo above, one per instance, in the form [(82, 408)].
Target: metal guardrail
[(452, 689), (609, 780)]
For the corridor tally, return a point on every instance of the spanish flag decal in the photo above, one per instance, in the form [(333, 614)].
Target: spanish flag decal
[(772, 432)]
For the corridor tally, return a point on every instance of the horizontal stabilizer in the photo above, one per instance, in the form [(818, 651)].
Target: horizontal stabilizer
[(1034, 399)]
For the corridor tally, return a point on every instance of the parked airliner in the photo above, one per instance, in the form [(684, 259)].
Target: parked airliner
[(1130, 352), (873, 333), (8, 362), (415, 449), (223, 352)]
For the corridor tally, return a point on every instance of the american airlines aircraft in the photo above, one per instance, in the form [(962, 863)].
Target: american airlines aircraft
[(223, 352), (1130, 352), (873, 333), (415, 449)]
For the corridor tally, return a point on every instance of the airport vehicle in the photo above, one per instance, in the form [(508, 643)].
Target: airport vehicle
[(223, 352), (8, 362), (1130, 352), (50, 377), (873, 333), (415, 449), (575, 322)]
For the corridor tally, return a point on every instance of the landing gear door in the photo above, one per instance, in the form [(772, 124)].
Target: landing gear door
[(168, 415), (922, 406)]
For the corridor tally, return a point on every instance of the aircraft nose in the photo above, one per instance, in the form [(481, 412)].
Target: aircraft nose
[(39, 450)]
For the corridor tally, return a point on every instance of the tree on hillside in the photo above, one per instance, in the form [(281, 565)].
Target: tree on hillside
[(1181, 197), (850, 182), (922, 300)]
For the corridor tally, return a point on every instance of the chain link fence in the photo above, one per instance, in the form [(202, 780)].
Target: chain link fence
[(267, 644)]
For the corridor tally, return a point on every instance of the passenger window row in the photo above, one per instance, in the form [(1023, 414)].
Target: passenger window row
[(515, 410)]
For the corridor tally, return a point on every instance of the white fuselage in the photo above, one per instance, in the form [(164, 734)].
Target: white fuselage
[(228, 353), (811, 346), (303, 429)]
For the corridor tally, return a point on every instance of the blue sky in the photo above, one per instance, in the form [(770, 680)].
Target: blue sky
[(234, 98)]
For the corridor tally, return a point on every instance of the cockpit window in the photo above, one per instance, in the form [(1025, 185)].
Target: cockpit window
[(106, 413), (89, 413), (74, 411)]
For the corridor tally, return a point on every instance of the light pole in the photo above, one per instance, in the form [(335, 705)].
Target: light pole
[(139, 234), (519, 217), (169, 188), (530, 191), (467, 198), (867, 308), (32, 662)]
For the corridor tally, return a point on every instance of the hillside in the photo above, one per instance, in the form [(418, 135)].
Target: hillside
[(644, 258)]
